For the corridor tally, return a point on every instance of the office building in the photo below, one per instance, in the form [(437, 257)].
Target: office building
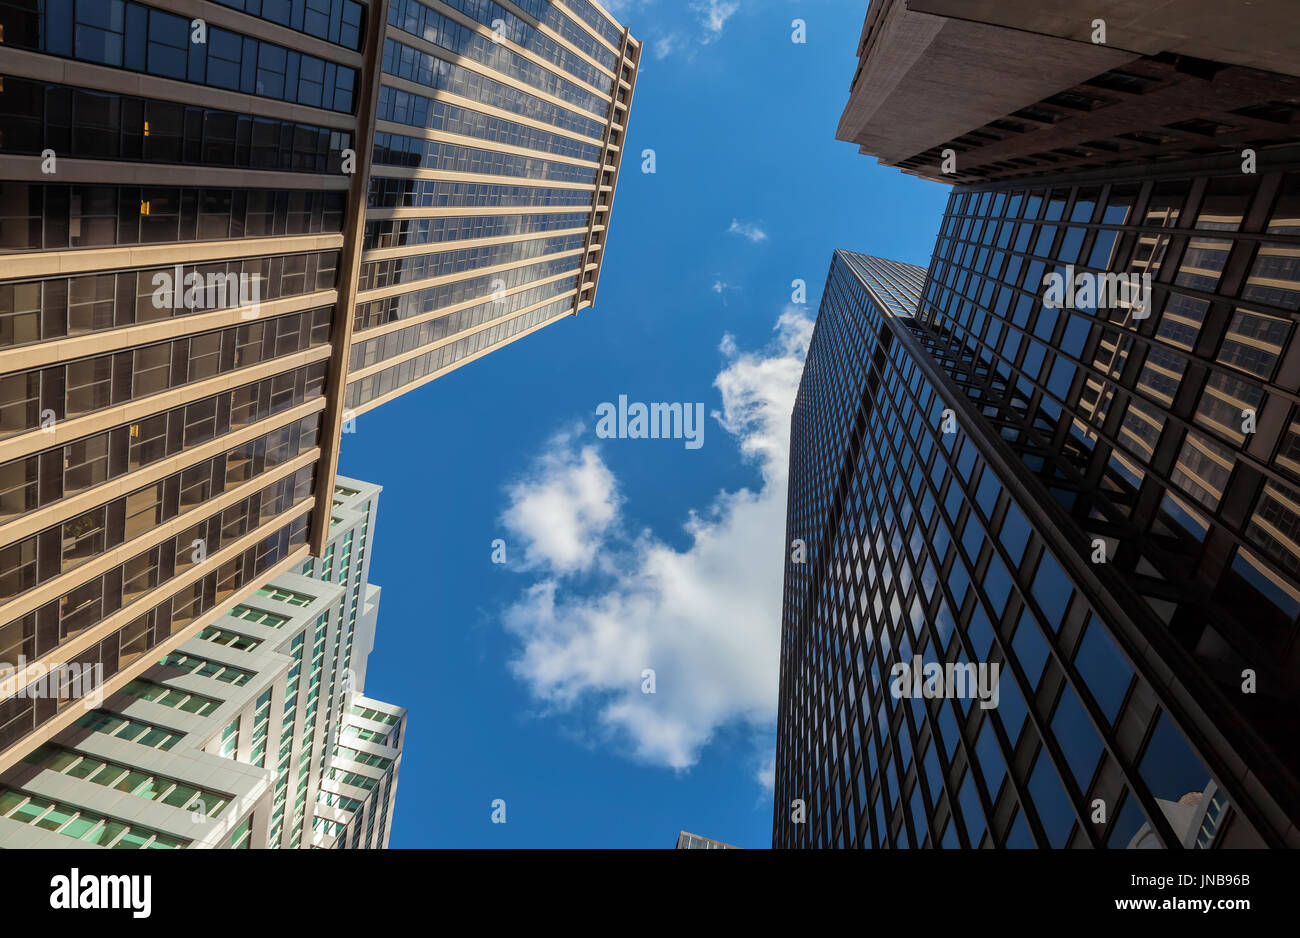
[(688, 841), (254, 733), (1112, 519), (1066, 457), (224, 233), (1020, 87)]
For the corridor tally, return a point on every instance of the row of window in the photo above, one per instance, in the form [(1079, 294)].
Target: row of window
[(1223, 207), (129, 35), (433, 72), (44, 478), (388, 192), (55, 307), (376, 385), (401, 232), (403, 107), (396, 343), (394, 270), (20, 715), (336, 21), (129, 780), (61, 548), (98, 125), (86, 826), (413, 153), (32, 399), (41, 216), (418, 302)]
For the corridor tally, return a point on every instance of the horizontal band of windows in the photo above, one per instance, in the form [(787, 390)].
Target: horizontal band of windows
[(390, 192), (82, 123), (416, 110), (65, 617), (62, 548), (337, 21), (20, 716), (46, 478), (420, 20), (57, 307), (42, 397), (376, 274), (49, 217), (138, 38), (391, 233), (373, 351), (414, 153), (416, 303), (390, 379), (460, 40), (401, 61)]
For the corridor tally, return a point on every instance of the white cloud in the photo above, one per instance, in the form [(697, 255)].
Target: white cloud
[(746, 229), (664, 45), (707, 619), (714, 15), (562, 511), (766, 774)]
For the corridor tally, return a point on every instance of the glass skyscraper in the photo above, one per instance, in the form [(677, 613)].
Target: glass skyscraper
[(980, 476), (1065, 458)]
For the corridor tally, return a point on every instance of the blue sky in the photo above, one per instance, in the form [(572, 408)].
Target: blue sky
[(524, 679)]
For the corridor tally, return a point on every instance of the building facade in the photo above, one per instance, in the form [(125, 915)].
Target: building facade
[(1103, 501), (255, 733), (975, 90), (1048, 505), (224, 233), (689, 841)]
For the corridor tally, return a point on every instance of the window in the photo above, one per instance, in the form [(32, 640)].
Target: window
[(85, 464), (143, 510), (148, 441), (17, 569), (83, 538), (89, 385), (139, 575)]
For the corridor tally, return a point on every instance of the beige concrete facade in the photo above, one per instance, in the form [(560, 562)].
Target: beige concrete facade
[(1018, 88), (276, 384)]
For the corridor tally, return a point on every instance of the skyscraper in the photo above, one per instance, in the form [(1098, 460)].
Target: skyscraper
[(1069, 464), (223, 234), (1008, 88), (253, 733), (926, 492), (689, 841)]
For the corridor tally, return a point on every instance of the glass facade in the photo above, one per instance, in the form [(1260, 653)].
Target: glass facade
[(930, 533)]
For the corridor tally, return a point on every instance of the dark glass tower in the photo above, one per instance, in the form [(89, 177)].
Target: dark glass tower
[(978, 478)]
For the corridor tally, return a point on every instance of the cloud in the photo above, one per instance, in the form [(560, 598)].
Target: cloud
[(714, 15), (711, 17), (722, 288), (748, 230), (564, 509), (766, 774), (706, 619), (664, 45)]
